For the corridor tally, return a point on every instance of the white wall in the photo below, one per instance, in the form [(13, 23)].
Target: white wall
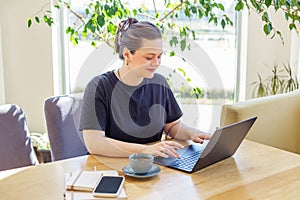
[(27, 59), (295, 51), (2, 90), (263, 52)]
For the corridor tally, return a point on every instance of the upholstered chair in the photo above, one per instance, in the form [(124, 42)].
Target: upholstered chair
[(15, 144), (278, 119), (62, 114)]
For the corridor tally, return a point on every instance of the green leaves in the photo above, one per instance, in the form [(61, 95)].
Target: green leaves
[(268, 3), (239, 5), (192, 11), (112, 28), (223, 23), (182, 71), (183, 44), (173, 41), (94, 44), (29, 22), (265, 17), (70, 30), (192, 92), (260, 88), (197, 92), (37, 19), (87, 11), (268, 28), (48, 20), (290, 8), (101, 17), (101, 20), (280, 81), (292, 26)]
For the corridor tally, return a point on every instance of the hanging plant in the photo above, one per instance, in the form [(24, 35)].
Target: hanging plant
[(100, 17)]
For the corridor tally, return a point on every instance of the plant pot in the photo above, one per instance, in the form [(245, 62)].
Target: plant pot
[(45, 155)]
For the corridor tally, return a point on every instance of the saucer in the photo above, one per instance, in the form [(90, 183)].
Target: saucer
[(152, 172)]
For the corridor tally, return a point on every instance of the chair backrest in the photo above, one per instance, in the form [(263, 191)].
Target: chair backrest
[(62, 115), (15, 144), (278, 119)]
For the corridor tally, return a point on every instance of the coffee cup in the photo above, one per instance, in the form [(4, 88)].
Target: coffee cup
[(141, 163)]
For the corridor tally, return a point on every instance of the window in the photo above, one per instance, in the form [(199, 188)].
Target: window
[(212, 67)]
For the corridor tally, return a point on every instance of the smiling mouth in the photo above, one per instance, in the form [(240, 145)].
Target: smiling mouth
[(151, 70)]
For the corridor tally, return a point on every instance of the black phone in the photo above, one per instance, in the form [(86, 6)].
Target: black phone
[(109, 186)]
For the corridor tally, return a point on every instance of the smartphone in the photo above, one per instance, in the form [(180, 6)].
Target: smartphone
[(109, 186)]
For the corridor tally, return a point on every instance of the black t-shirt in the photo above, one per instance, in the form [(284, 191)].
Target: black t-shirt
[(134, 114)]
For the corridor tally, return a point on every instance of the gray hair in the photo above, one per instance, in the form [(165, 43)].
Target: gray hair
[(131, 33)]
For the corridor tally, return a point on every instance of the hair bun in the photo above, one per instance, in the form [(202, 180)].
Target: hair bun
[(125, 24)]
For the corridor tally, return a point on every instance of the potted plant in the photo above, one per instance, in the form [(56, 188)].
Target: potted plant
[(281, 80), (41, 145)]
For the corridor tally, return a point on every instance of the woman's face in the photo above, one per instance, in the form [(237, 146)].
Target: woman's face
[(147, 59)]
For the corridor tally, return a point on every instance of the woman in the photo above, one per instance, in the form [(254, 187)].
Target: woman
[(125, 111)]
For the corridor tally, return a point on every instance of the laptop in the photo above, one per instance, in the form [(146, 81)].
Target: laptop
[(223, 144)]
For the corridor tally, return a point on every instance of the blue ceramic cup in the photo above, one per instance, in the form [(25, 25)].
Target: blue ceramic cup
[(141, 163)]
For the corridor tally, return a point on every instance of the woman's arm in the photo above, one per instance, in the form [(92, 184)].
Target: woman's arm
[(97, 143), (181, 131)]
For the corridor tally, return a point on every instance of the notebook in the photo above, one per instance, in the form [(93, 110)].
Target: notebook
[(223, 144), (83, 180)]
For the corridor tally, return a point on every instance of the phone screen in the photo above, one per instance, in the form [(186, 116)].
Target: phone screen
[(109, 184)]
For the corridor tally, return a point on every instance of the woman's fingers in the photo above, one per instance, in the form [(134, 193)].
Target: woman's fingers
[(161, 154), (207, 136), (164, 149), (199, 138), (170, 148), (168, 152)]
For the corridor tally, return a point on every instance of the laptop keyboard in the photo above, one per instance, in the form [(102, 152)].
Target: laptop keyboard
[(188, 162)]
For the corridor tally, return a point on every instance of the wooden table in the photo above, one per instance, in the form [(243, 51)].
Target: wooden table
[(256, 171)]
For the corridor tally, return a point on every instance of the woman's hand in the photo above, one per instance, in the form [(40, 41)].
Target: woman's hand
[(181, 131), (164, 149), (199, 137)]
